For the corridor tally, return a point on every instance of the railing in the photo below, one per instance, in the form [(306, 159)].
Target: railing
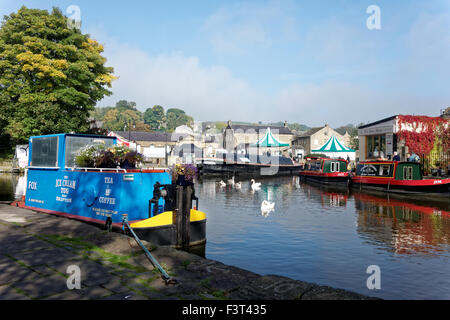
[(436, 163)]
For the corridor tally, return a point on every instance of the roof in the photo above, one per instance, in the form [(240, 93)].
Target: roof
[(261, 129), (310, 132), (377, 122), (333, 145), (149, 136), (270, 141)]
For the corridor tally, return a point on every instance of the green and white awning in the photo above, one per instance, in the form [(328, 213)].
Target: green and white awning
[(333, 145), (269, 141)]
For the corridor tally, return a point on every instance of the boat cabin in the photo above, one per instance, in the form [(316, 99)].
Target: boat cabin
[(56, 185), (390, 169), (326, 165)]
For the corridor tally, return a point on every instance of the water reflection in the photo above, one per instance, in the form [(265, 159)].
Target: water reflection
[(12, 186), (404, 227)]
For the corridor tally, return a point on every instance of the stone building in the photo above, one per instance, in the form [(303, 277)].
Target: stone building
[(315, 138), (239, 137)]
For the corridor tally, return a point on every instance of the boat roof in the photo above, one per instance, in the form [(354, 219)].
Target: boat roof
[(324, 158), (74, 135)]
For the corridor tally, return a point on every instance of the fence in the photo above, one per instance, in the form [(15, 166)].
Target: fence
[(437, 163)]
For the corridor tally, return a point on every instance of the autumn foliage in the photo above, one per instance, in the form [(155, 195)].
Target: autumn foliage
[(421, 132)]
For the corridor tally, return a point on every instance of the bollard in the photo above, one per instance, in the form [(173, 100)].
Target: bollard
[(182, 216)]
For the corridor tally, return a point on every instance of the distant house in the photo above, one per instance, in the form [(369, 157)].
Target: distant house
[(239, 136), (315, 138)]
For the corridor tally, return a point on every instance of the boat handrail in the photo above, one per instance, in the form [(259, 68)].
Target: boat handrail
[(45, 168), (85, 169)]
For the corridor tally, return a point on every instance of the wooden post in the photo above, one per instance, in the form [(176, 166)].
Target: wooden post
[(187, 205), (178, 217)]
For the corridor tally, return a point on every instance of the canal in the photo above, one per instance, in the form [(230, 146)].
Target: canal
[(322, 235)]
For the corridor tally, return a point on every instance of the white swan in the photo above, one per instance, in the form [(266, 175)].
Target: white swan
[(238, 185), (267, 207), (222, 184), (255, 185), (231, 181)]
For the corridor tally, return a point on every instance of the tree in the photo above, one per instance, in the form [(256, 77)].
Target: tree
[(51, 75), (177, 117), (117, 120), (155, 117)]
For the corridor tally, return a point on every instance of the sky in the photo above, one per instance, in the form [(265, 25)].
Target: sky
[(311, 62)]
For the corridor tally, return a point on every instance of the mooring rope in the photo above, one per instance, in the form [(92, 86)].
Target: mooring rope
[(164, 275)]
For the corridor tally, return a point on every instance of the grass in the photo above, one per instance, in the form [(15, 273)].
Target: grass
[(86, 247)]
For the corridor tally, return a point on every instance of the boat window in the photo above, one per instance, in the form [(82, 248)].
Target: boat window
[(74, 144), (407, 173), (385, 170), (44, 152)]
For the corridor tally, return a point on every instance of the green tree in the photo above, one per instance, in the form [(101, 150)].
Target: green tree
[(155, 117), (117, 120), (177, 117), (51, 76)]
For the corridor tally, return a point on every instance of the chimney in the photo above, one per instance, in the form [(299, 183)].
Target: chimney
[(285, 124)]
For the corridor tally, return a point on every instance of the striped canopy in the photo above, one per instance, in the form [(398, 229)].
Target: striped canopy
[(269, 141), (333, 145)]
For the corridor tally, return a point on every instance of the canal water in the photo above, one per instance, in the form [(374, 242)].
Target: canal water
[(324, 235)]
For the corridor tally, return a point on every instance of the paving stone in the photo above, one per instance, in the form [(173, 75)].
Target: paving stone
[(9, 293), (42, 287), (39, 257), (116, 285), (92, 273), (13, 272), (327, 293), (126, 296), (17, 243), (91, 293), (272, 287)]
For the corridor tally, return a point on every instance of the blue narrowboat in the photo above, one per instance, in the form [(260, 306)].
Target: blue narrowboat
[(103, 195)]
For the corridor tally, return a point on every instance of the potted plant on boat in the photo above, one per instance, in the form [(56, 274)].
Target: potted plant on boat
[(183, 174), (98, 156)]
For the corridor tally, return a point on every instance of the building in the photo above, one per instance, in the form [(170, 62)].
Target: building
[(315, 138), (239, 137), (380, 139)]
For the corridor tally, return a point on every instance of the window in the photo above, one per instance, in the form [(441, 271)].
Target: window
[(75, 143), (44, 152), (407, 173), (334, 167), (385, 170), (376, 146)]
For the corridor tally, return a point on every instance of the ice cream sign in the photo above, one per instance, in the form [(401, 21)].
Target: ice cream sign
[(66, 185)]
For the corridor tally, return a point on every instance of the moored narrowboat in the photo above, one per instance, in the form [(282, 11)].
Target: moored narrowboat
[(103, 196), (397, 177), (325, 170)]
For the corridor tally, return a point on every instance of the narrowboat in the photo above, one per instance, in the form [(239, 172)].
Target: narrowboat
[(325, 170), (397, 177), (103, 196), (245, 165)]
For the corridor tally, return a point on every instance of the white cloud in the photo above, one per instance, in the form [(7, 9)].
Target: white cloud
[(240, 27), (174, 80)]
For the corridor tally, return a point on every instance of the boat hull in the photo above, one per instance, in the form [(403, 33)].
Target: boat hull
[(252, 170), (424, 186), (338, 178), (103, 198)]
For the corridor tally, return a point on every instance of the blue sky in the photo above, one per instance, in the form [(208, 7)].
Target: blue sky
[(312, 62)]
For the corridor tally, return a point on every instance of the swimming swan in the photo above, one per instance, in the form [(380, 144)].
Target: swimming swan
[(222, 184), (267, 207), (238, 185), (231, 181), (255, 185)]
